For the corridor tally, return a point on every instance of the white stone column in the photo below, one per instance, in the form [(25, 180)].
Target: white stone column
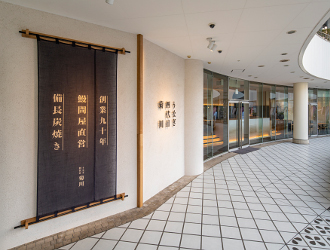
[(193, 117), (300, 113)]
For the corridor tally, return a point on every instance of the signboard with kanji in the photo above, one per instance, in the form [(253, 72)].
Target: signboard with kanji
[(76, 127)]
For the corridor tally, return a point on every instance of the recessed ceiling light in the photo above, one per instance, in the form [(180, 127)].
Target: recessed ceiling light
[(306, 78), (261, 66), (109, 1), (249, 75), (255, 77), (189, 56), (219, 51), (292, 72), (283, 54), (286, 65), (209, 62), (284, 60), (291, 32)]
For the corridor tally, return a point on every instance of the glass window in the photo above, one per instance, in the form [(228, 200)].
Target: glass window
[(312, 112), (281, 112), (238, 89), (268, 109), (255, 113), (323, 111), (290, 112), (215, 135)]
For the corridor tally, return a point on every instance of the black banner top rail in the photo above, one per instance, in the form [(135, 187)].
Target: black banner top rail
[(31, 34)]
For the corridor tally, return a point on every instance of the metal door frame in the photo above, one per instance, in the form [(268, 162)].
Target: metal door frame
[(240, 122)]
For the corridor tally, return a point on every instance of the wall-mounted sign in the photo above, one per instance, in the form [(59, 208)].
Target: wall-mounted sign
[(170, 114), (77, 133)]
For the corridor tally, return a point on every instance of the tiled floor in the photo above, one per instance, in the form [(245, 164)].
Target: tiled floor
[(273, 198)]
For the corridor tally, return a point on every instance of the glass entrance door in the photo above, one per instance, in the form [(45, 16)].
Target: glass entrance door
[(239, 128)]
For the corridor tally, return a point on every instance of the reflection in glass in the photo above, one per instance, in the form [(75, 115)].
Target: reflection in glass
[(238, 89), (312, 112), (290, 112), (239, 124), (255, 113), (323, 111), (268, 97), (281, 111), (215, 137)]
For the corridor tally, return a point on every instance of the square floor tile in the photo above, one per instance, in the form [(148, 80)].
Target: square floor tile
[(211, 230), (271, 236), (246, 223), (260, 215), (230, 232), (167, 248), (114, 233), (122, 245), (273, 246), (142, 246), (176, 216), (132, 235), (210, 203), (210, 210), (226, 211), (211, 243), (278, 216), (253, 245), (181, 200), (156, 225), (170, 239), (165, 207), (195, 202), (151, 237), (228, 221), (296, 218), (179, 208), (232, 244), (194, 209), (210, 219), (285, 226), (173, 226), (105, 244), (160, 215), (192, 228), (191, 241), (85, 244), (250, 234), (195, 218), (243, 213), (139, 224)]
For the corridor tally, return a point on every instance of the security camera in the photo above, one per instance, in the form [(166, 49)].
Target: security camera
[(212, 25), (219, 51)]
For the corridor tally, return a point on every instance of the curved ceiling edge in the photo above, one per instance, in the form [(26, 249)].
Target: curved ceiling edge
[(308, 40)]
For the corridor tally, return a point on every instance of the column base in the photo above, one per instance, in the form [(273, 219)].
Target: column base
[(300, 141)]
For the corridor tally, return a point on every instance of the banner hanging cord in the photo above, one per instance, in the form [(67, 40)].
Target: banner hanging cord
[(38, 36)]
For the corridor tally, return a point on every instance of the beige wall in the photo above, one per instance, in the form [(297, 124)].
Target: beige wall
[(163, 148)]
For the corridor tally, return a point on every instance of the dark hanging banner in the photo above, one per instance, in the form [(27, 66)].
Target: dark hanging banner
[(106, 124), (77, 126)]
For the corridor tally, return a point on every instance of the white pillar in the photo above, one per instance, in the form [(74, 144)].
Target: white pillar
[(300, 113), (193, 117)]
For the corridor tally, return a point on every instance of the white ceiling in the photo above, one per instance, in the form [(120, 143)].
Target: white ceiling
[(249, 32)]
